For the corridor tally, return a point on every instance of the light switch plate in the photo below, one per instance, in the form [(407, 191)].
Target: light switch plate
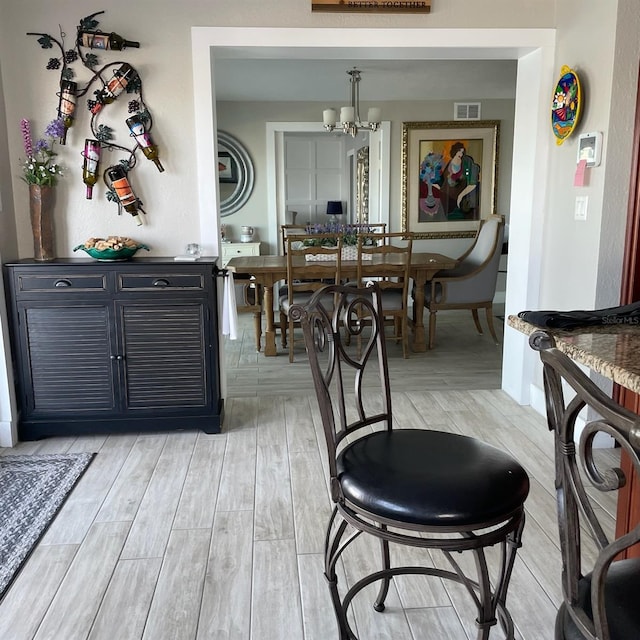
[(581, 207)]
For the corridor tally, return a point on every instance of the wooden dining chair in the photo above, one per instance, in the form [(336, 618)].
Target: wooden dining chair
[(423, 488), (381, 257), (287, 230), (309, 268)]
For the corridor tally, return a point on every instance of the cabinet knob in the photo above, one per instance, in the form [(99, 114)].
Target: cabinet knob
[(161, 282), (62, 283), (116, 357)]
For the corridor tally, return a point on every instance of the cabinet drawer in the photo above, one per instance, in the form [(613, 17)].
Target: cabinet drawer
[(60, 282), (234, 249), (161, 281), (248, 249)]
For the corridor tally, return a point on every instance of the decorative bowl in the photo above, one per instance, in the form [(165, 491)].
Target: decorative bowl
[(118, 251)]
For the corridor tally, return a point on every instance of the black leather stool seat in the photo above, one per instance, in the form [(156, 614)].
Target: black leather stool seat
[(431, 478), (622, 586)]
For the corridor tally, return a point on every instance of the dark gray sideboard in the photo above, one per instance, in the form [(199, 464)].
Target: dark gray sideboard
[(113, 347)]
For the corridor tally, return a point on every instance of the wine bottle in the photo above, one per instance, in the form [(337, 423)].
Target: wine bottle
[(100, 40), (67, 106), (122, 76), (91, 156), (151, 153), (122, 187), (143, 138)]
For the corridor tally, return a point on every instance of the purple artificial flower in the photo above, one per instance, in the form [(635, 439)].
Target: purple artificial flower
[(41, 145), (55, 129), (39, 167), (25, 128)]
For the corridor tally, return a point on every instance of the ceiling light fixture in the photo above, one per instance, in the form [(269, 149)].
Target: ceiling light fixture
[(350, 116)]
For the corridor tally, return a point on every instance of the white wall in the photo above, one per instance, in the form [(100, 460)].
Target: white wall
[(165, 64), (599, 39), (581, 261), (7, 251)]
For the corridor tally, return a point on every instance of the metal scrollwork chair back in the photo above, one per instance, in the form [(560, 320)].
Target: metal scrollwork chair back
[(600, 597), (418, 487)]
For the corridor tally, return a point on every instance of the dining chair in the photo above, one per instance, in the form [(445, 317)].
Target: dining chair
[(287, 230), (435, 490), (471, 284), (600, 583), (380, 257), (325, 263)]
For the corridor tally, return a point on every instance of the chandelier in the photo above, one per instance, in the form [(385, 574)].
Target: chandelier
[(350, 121)]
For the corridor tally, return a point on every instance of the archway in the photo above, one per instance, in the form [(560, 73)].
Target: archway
[(532, 48)]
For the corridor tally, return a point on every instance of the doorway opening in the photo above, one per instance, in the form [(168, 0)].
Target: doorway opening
[(532, 48)]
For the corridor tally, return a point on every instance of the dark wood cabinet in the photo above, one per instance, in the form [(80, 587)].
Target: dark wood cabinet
[(102, 347)]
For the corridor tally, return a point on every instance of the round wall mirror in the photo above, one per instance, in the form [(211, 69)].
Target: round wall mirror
[(235, 174)]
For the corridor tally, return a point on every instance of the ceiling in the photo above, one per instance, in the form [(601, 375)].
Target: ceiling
[(313, 80)]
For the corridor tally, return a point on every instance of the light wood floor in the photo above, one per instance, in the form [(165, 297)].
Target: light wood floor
[(190, 536), (462, 359)]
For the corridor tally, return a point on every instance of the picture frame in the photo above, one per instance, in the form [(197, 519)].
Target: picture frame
[(227, 169), (566, 105), (445, 196)]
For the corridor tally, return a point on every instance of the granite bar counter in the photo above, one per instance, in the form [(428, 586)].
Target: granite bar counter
[(613, 350)]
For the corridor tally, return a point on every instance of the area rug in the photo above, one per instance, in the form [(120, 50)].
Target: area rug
[(32, 490)]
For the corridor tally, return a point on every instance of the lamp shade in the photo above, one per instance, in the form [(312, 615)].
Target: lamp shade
[(334, 208)]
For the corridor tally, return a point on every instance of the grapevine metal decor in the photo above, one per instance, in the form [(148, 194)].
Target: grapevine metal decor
[(111, 80)]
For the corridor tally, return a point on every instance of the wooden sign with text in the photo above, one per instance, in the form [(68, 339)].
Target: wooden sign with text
[(373, 6)]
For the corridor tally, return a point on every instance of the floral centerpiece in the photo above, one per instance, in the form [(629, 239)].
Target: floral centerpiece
[(40, 167), (349, 234)]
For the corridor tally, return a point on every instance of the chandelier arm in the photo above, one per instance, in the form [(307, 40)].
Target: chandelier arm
[(347, 126)]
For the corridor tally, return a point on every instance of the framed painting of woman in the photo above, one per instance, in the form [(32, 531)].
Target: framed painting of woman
[(449, 177)]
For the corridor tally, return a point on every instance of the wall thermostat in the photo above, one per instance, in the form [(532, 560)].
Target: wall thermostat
[(590, 148)]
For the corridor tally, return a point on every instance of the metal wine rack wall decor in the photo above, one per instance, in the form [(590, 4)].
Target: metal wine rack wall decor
[(107, 82)]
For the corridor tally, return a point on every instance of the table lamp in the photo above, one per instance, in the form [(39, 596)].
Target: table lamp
[(334, 208)]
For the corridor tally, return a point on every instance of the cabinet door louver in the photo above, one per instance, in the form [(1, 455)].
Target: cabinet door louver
[(69, 362), (165, 354)]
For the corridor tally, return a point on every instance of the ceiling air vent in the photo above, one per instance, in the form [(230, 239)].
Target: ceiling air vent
[(466, 111)]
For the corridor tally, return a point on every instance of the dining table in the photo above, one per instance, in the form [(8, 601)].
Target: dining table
[(267, 270)]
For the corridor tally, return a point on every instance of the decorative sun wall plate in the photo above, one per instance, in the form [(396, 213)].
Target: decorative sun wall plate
[(566, 105)]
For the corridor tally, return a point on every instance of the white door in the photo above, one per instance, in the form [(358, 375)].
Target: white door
[(315, 172)]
